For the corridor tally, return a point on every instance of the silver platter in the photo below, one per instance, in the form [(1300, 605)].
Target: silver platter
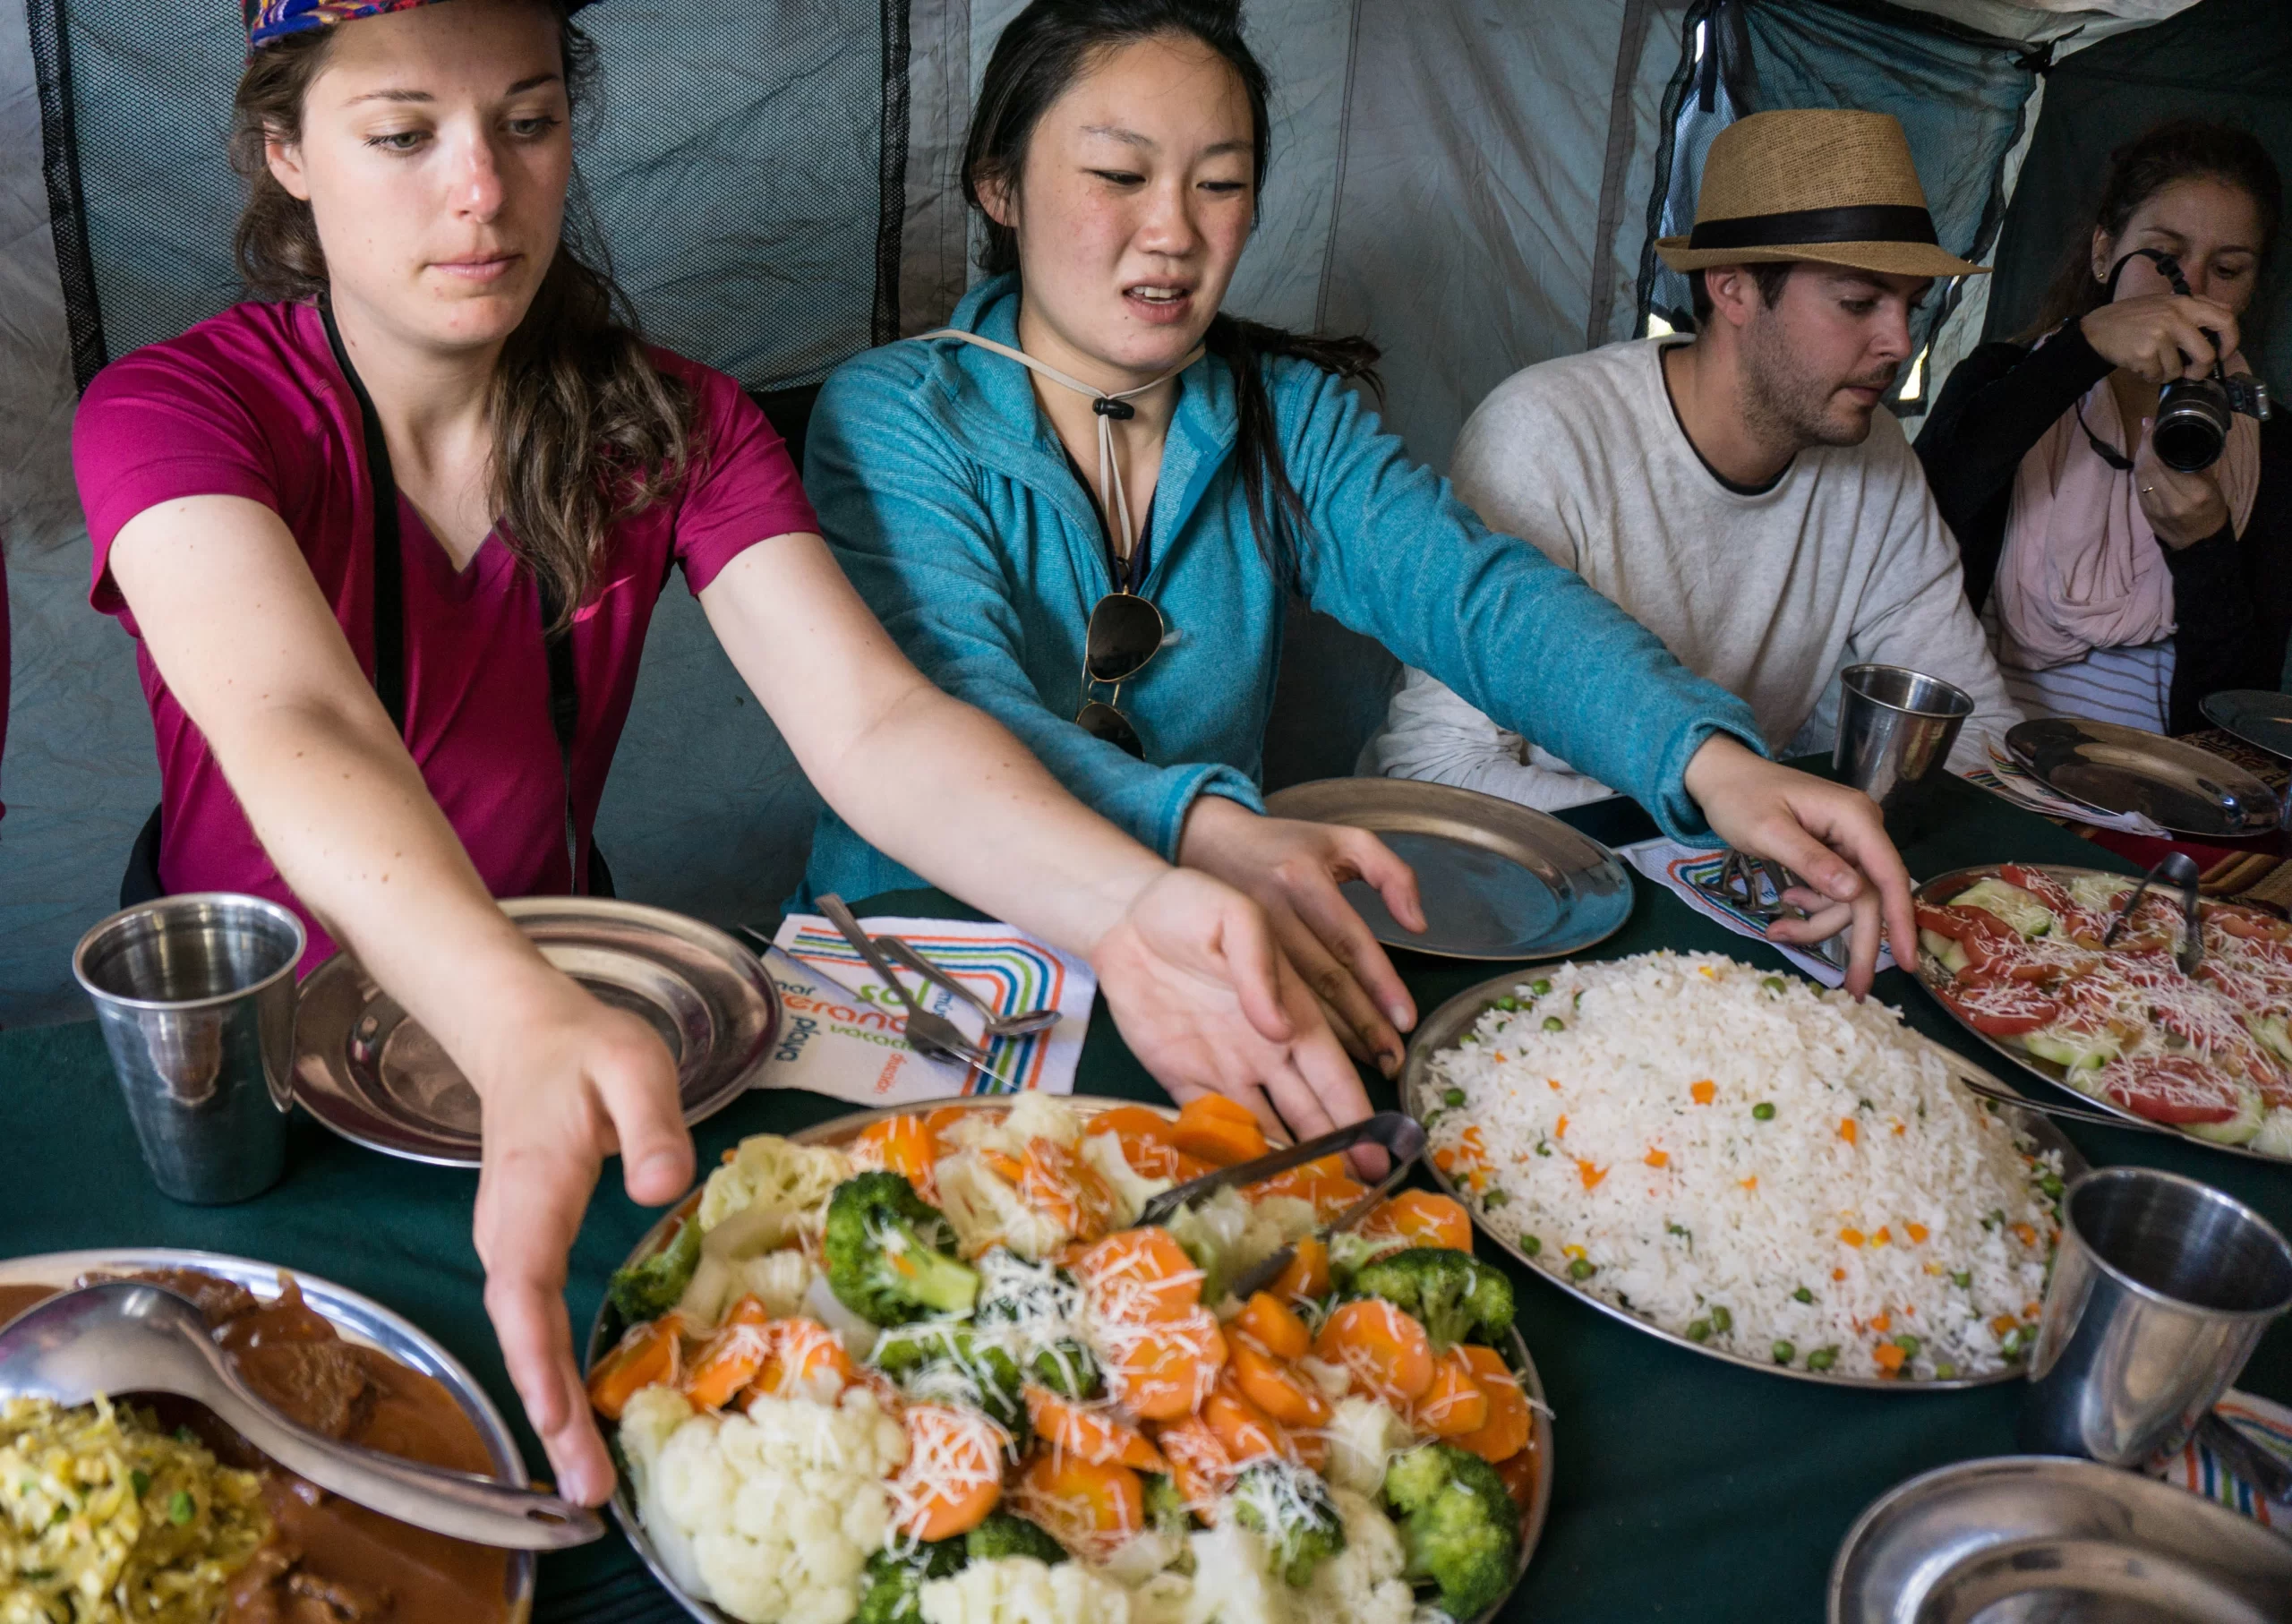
[(1930, 974), (1498, 880), (1442, 1028), (2255, 715), (2121, 769), (376, 1077), (843, 1131), (2025, 1539), (355, 1318)]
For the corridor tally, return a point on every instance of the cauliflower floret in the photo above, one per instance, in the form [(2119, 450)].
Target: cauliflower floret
[(1130, 1191), (771, 1514), (1361, 1583), (985, 1211), (1022, 1590), (1229, 1233), (1141, 1556), (775, 1174), (748, 1254), (1231, 1584), (1362, 1436), (1334, 1379), (1031, 1116)]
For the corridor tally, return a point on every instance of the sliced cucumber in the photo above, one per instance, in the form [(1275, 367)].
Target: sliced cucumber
[(1943, 948), (2242, 1128), (2273, 1031), (2098, 891), (2078, 1051), (2020, 909), (2275, 1135)]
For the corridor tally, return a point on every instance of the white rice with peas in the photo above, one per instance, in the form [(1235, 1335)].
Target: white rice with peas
[(1744, 1159)]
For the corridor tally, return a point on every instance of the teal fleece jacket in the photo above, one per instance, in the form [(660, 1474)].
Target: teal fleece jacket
[(950, 504)]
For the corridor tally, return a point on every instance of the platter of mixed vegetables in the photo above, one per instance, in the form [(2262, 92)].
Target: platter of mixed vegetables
[(924, 1367)]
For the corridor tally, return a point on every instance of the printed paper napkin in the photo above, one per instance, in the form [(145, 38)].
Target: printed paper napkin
[(1681, 870), (2195, 1469)]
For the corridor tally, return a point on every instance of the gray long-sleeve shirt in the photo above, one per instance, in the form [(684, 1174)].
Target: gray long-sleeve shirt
[(1843, 560)]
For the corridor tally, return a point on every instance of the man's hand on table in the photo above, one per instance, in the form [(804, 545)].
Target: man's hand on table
[(569, 1082), (1831, 835)]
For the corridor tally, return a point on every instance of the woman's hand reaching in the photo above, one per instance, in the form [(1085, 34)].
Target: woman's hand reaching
[(1830, 835)]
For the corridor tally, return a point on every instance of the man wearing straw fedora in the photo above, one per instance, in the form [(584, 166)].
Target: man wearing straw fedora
[(1740, 493)]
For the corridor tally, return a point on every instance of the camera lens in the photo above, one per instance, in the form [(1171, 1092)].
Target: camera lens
[(2192, 425)]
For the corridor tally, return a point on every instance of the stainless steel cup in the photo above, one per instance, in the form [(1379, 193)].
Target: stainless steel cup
[(196, 997), (1895, 728), (2160, 1289)]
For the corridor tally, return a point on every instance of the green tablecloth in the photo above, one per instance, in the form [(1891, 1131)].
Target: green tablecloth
[(1686, 1488)]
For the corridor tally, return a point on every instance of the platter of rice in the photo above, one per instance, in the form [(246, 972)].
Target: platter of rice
[(1746, 1164)]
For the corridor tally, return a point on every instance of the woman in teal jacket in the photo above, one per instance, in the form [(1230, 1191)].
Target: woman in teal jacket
[(1116, 150)]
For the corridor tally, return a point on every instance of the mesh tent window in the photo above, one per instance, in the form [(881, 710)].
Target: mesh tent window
[(721, 159), (1960, 95)]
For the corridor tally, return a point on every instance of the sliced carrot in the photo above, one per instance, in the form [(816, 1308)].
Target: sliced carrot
[(1089, 1505), (1279, 1332), (1518, 1471), (1419, 1218), (1247, 1431), (1277, 1387), (649, 1354), (1305, 1279), (954, 1474), (902, 1145), (1455, 1404), (1199, 1464), (750, 1310), (1094, 1434), (726, 1363), (1386, 1350), (1061, 1185), (1164, 1370), (1510, 1423), (1218, 1130), (1140, 1276), (1005, 1165), (808, 1362), (1324, 1183), (1889, 1358), (1123, 1120), (1704, 1093)]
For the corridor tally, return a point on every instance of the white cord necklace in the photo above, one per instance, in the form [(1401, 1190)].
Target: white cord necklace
[(1107, 409)]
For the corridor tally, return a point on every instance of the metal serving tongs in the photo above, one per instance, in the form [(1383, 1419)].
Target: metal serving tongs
[(1981, 1084), (1401, 1135), (2177, 869)]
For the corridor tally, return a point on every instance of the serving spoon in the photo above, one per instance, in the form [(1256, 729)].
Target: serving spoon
[(132, 1337)]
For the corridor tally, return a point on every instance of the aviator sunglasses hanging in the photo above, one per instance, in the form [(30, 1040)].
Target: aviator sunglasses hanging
[(390, 611), (1125, 630)]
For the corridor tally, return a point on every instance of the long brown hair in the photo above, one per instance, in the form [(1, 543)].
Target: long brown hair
[(586, 430), (1041, 53), (2178, 149)]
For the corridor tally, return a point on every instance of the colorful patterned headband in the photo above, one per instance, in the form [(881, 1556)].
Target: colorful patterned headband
[(270, 20)]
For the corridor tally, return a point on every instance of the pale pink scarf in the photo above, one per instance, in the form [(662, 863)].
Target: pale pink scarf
[(2082, 568)]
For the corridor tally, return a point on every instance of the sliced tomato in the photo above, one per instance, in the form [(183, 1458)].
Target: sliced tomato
[(2251, 923), (2003, 958), (1958, 924), (2003, 1009), (2172, 1089)]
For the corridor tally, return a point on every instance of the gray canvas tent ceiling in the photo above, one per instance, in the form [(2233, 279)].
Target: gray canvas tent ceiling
[(1469, 184)]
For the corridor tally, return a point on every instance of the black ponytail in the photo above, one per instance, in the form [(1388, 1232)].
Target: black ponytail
[(1041, 55)]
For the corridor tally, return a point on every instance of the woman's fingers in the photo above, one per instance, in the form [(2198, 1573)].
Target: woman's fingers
[(1395, 881), (1331, 950)]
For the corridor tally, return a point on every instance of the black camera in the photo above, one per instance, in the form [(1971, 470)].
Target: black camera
[(2193, 417)]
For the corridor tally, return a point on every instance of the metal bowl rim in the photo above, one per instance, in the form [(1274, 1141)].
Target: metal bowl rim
[(1414, 1080), (848, 1125)]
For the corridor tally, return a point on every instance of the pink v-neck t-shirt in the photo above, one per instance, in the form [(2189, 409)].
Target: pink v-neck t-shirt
[(251, 404)]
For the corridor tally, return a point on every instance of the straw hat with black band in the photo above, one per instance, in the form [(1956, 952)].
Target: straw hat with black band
[(1814, 184), (269, 20)]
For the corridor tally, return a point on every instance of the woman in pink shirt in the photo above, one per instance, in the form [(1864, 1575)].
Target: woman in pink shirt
[(389, 543)]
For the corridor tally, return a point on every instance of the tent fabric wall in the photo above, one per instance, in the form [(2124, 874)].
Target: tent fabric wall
[(1464, 182)]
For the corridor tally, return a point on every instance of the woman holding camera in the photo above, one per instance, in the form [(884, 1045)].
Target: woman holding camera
[(2125, 574)]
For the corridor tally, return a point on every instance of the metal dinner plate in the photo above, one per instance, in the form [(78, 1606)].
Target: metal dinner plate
[(1938, 891), (843, 1131), (380, 1080), (2122, 769), (1498, 880), (2031, 1538), (2255, 715), (357, 1318), (1442, 1028)]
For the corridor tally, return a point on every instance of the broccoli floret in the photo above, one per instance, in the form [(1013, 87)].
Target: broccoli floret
[(938, 1359), (891, 1255), (1456, 1296), (1291, 1509), (1013, 1291), (1006, 1534), (1349, 1253), (1458, 1524), (1165, 1507), (649, 1288), (893, 1592)]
